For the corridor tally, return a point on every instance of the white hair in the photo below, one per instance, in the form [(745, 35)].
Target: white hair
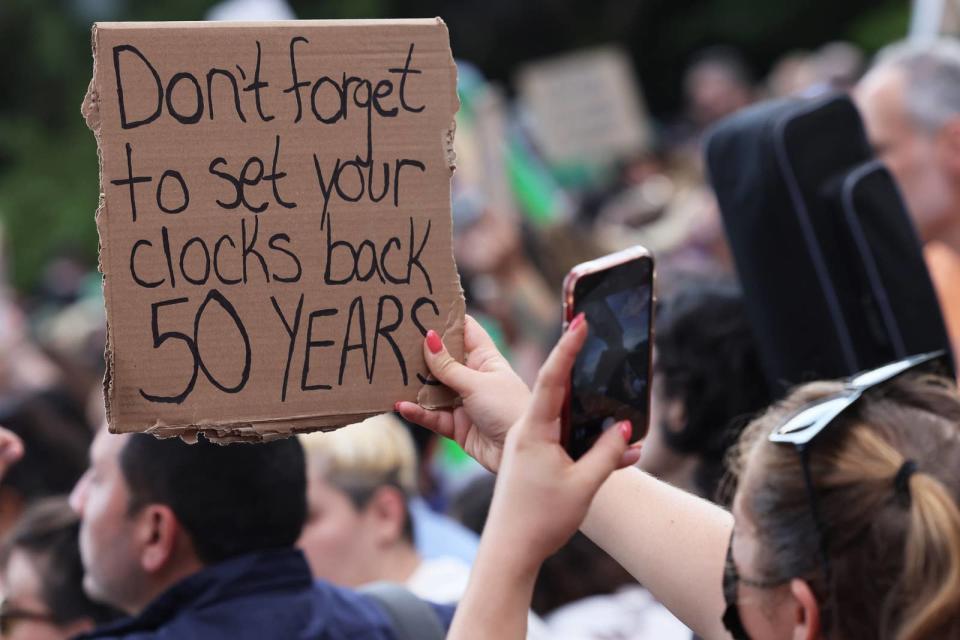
[(366, 455), (931, 70)]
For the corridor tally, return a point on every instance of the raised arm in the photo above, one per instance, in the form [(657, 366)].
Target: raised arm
[(541, 497), (671, 541)]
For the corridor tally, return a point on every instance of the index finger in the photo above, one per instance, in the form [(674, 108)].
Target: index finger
[(440, 421), (475, 336), (554, 377)]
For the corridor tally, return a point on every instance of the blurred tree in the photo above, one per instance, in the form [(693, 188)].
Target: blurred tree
[(48, 164), (48, 158)]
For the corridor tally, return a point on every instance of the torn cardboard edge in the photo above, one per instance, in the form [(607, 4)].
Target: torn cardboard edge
[(430, 395), (90, 110), (275, 24), (438, 396)]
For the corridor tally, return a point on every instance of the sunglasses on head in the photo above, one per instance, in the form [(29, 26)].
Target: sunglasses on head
[(799, 430)]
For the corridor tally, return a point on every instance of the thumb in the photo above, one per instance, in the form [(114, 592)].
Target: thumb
[(445, 368), (476, 337), (605, 456)]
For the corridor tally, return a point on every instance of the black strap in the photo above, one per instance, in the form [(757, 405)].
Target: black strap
[(412, 618), (825, 612)]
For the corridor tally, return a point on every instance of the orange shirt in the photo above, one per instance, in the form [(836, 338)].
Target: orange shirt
[(943, 263)]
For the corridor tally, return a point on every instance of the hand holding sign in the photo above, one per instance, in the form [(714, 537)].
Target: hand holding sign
[(275, 221)]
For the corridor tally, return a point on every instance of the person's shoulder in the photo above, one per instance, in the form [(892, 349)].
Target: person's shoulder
[(352, 614), (123, 629), (444, 613), (320, 612), (412, 617)]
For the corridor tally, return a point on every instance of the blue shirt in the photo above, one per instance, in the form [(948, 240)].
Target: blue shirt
[(437, 535), (258, 596)]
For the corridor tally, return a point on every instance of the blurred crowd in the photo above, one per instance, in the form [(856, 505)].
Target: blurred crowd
[(391, 501)]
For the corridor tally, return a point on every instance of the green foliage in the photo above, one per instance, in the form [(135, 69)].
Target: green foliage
[(47, 196), (882, 25), (48, 157), (48, 162), (337, 9)]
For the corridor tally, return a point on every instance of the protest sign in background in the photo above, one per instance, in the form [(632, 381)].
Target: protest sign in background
[(274, 221), (588, 106)]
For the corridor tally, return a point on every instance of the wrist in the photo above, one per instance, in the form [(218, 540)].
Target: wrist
[(516, 554)]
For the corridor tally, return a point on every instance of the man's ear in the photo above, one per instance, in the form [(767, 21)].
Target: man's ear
[(387, 511), (807, 611), (157, 532)]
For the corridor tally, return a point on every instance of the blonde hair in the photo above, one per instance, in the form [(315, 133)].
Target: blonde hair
[(378, 451), (894, 554)]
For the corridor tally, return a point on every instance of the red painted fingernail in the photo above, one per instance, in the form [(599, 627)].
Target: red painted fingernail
[(626, 430), (434, 343), (576, 322), (396, 406)]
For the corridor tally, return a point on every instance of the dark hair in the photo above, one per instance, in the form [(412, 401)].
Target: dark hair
[(579, 569), (471, 505), (231, 499), (48, 532), (55, 438), (707, 359), (894, 554)]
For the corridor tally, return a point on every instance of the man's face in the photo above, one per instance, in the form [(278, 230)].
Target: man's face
[(914, 156), (338, 539), (111, 562)]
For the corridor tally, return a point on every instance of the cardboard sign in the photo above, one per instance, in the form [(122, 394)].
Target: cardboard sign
[(275, 232), (587, 106)]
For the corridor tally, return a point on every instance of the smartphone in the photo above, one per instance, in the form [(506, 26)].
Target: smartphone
[(610, 380)]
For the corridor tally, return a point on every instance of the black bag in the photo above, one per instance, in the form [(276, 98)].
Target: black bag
[(830, 264)]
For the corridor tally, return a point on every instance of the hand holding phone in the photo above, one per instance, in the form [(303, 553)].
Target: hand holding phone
[(610, 381)]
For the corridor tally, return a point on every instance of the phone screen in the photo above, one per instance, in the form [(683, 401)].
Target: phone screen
[(611, 374)]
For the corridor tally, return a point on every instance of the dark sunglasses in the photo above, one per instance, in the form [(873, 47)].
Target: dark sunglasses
[(731, 580), (800, 429)]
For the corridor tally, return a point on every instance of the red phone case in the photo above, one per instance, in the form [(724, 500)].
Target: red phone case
[(569, 285)]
